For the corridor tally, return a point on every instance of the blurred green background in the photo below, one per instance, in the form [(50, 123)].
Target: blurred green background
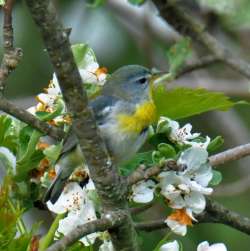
[(123, 34)]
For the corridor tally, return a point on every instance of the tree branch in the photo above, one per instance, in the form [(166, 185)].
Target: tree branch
[(31, 120), (152, 225), (138, 210), (215, 213), (235, 153), (108, 222), (110, 187), (232, 154), (185, 24), (143, 173), (11, 55), (197, 65)]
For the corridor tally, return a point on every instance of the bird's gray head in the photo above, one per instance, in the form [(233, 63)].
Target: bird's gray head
[(129, 82)]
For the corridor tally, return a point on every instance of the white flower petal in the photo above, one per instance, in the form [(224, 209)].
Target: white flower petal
[(78, 217), (193, 158), (204, 175), (189, 212), (203, 145), (102, 78), (184, 187), (170, 246), (176, 202), (106, 246), (47, 99), (72, 198), (32, 110), (176, 227), (196, 202), (143, 192), (88, 77), (167, 178), (9, 156), (92, 67), (194, 186), (204, 246)]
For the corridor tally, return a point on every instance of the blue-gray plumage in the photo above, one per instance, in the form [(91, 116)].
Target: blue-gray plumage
[(122, 93)]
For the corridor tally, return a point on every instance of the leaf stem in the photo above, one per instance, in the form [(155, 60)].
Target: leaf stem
[(20, 224), (49, 237)]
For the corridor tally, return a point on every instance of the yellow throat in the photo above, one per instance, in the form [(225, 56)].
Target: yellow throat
[(144, 115)]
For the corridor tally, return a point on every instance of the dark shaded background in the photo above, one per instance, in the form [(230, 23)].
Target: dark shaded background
[(123, 34)]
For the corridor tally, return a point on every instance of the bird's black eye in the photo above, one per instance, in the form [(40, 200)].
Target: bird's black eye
[(142, 81)]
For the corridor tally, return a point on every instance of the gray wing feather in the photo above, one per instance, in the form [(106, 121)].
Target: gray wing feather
[(70, 145)]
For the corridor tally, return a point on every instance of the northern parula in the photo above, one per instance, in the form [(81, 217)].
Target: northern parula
[(124, 112)]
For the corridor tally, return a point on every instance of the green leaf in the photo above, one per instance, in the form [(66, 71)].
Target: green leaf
[(24, 137), (30, 157), (23, 168), (2, 2), (7, 158), (52, 152), (8, 137), (45, 242), (137, 2), (157, 156), (217, 178), (184, 102), (83, 55), (47, 116), (139, 158), (215, 144), (92, 90), (167, 150), (178, 53), (96, 3)]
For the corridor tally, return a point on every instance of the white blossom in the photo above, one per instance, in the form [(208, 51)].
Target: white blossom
[(204, 246), (170, 246), (7, 156), (177, 227), (180, 135), (106, 246), (186, 189), (143, 192), (92, 74), (80, 209)]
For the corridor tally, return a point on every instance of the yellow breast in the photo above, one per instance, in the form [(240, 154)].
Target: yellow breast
[(144, 115)]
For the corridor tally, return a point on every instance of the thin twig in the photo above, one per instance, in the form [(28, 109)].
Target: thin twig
[(11, 55), (143, 174), (138, 210), (197, 65), (229, 155), (107, 222), (152, 225), (186, 25), (214, 213), (110, 187), (31, 120)]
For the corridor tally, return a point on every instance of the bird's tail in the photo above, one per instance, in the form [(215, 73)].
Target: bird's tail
[(55, 189)]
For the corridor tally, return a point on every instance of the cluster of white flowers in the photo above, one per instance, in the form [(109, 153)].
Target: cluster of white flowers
[(76, 201), (80, 209), (180, 135), (203, 246), (184, 190), (48, 101)]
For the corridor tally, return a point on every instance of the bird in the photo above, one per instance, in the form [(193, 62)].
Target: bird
[(123, 112)]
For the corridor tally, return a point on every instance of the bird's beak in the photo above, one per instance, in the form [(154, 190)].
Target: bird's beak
[(158, 77)]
